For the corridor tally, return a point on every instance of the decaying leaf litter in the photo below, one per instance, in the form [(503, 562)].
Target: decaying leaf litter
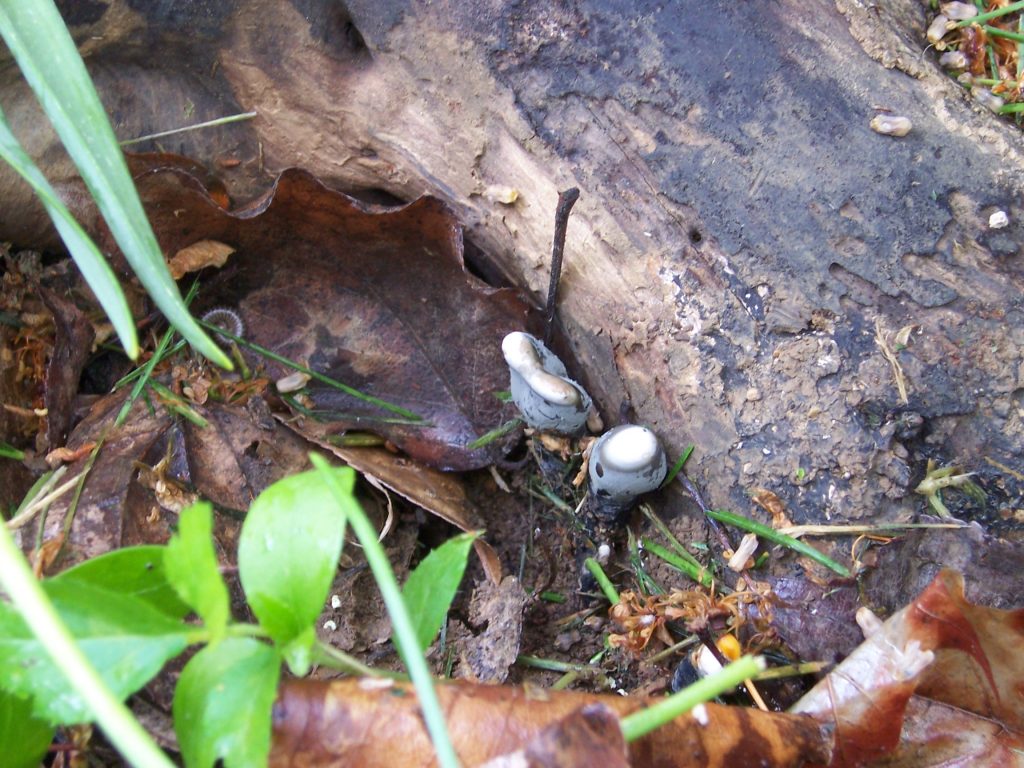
[(235, 444)]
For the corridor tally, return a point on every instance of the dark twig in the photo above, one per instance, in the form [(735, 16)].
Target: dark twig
[(720, 533), (566, 200)]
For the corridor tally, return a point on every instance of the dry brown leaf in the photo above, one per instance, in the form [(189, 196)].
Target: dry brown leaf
[(374, 723), (940, 682), (588, 736), (192, 258), (437, 492), (376, 298)]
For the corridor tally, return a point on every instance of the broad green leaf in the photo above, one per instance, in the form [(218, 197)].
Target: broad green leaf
[(191, 564), (25, 738), (431, 587), (134, 571), (83, 250), (124, 637), (222, 704), (40, 43), (288, 552)]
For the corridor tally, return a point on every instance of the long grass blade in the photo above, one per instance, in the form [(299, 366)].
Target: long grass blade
[(36, 36), (83, 250)]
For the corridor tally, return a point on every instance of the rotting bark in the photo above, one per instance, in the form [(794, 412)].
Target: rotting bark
[(742, 235)]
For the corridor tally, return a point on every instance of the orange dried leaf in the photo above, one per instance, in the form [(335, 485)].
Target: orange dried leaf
[(378, 724), (192, 258)]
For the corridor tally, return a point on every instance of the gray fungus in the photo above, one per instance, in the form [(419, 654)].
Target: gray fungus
[(625, 462), (541, 388)]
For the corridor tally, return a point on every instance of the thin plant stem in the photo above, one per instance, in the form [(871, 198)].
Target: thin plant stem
[(766, 532), (696, 572), (117, 722), (310, 372), (997, 32), (602, 580), (646, 720), (494, 434), (405, 634), (983, 17), (677, 466), (187, 128), (328, 656), (25, 515)]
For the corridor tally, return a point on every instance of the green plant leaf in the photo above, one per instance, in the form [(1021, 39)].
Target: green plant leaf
[(83, 250), (288, 552), (25, 738), (431, 587), (40, 43), (191, 564), (134, 571), (125, 638), (404, 635), (222, 704)]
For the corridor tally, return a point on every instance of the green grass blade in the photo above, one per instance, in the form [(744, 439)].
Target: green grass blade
[(87, 256), (765, 532), (36, 36), (27, 596), (644, 721), (404, 632)]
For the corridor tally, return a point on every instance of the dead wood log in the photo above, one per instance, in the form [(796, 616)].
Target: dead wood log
[(744, 244)]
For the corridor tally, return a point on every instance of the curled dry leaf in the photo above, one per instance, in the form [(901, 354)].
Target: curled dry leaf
[(71, 349), (123, 503), (940, 682), (437, 492), (376, 298), (192, 258), (377, 724), (588, 736)]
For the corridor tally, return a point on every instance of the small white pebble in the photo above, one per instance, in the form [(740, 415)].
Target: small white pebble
[(335, 602), (330, 625), (603, 553), (891, 125), (753, 394), (998, 220), (499, 193), (700, 714)]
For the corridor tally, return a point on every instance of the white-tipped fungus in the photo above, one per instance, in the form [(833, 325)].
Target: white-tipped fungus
[(958, 11), (624, 463), (953, 60), (891, 125), (937, 30), (547, 398)]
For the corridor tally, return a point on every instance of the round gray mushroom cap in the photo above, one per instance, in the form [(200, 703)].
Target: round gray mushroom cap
[(625, 462), (541, 388)]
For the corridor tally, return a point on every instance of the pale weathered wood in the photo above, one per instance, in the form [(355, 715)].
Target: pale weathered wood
[(741, 229)]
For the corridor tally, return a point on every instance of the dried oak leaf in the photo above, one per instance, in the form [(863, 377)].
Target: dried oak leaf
[(941, 682), (588, 736), (374, 723), (151, 461), (376, 298), (437, 492), (71, 349)]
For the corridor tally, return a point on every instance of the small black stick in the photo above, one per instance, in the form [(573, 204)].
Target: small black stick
[(723, 536), (566, 200)]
